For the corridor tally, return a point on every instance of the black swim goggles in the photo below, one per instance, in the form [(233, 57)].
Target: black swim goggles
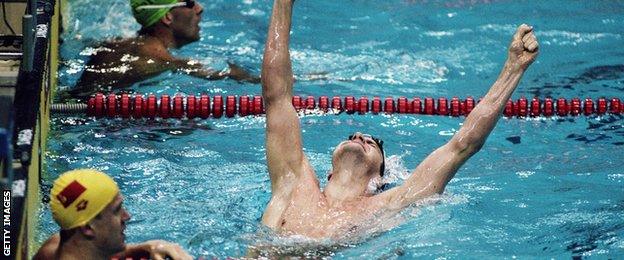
[(379, 143), (186, 3)]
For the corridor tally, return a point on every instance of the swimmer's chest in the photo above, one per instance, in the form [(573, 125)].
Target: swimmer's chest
[(312, 217)]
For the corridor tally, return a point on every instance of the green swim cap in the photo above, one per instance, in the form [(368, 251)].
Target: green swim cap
[(147, 17)]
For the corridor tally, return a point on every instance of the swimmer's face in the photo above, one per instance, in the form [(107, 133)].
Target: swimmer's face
[(359, 149), (109, 226), (186, 20)]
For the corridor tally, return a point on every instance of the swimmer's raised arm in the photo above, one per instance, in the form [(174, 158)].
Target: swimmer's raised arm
[(285, 158), (432, 175)]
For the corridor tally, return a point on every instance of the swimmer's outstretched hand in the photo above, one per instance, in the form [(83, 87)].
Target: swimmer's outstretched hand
[(523, 48), (239, 74), (160, 250)]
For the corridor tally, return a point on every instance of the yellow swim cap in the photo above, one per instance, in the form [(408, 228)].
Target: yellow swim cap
[(78, 196)]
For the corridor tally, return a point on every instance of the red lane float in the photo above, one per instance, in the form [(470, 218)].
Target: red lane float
[(442, 107), (337, 103), (230, 106), (549, 108), (217, 106), (363, 105), (417, 106), (152, 106), (455, 107), (310, 103), (350, 104), (521, 107), (111, 108), (324, 103), (165, 106), (509, 110), (124, 106), (535, 107), (258, 105), (137, 109), (589, 106), (204, 106), (296, 102), (402, 106), (429, 106), (138, 106), (376, 106), (191, 107), (99, 105), (616, 107), (562, 107), (178, 107), (389, 105), (243, 106), (469, 104), (575, 106)]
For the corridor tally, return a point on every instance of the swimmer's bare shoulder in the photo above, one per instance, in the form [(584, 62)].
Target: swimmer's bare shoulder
[(121, 63), (110, 53), (49, 248)]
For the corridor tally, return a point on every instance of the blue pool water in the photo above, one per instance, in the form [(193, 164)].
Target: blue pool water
[(558, 193)]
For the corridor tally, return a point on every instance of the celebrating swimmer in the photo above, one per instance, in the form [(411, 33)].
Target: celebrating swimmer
[(298, 206), (165, 24), (87, 206)]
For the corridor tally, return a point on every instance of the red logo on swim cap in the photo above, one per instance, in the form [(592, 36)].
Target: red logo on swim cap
[(70, 193), (82, 205)]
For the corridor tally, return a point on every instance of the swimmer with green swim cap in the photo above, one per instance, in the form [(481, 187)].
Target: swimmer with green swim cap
[(165, 24), (87, 206)]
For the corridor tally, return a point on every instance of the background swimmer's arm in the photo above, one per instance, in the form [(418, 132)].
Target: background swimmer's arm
[(196, 69), (285, 157), (432, 175)]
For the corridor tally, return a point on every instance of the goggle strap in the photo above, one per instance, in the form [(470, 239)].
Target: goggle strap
[(162, 6)]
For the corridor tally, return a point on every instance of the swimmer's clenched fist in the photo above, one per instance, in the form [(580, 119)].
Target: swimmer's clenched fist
[(523, 48)]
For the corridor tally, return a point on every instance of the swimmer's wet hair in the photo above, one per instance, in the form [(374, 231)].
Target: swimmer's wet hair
[(382, 169), (380, 143)]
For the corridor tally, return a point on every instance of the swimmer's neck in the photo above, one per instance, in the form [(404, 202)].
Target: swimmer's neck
[(347, 184), (162, 36)]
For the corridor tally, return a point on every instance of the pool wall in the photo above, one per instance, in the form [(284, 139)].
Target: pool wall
[(33, 95)]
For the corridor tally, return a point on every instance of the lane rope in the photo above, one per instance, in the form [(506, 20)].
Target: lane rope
[(203, 106)]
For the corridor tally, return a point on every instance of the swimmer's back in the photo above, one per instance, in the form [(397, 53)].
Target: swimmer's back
[(119, 64)]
